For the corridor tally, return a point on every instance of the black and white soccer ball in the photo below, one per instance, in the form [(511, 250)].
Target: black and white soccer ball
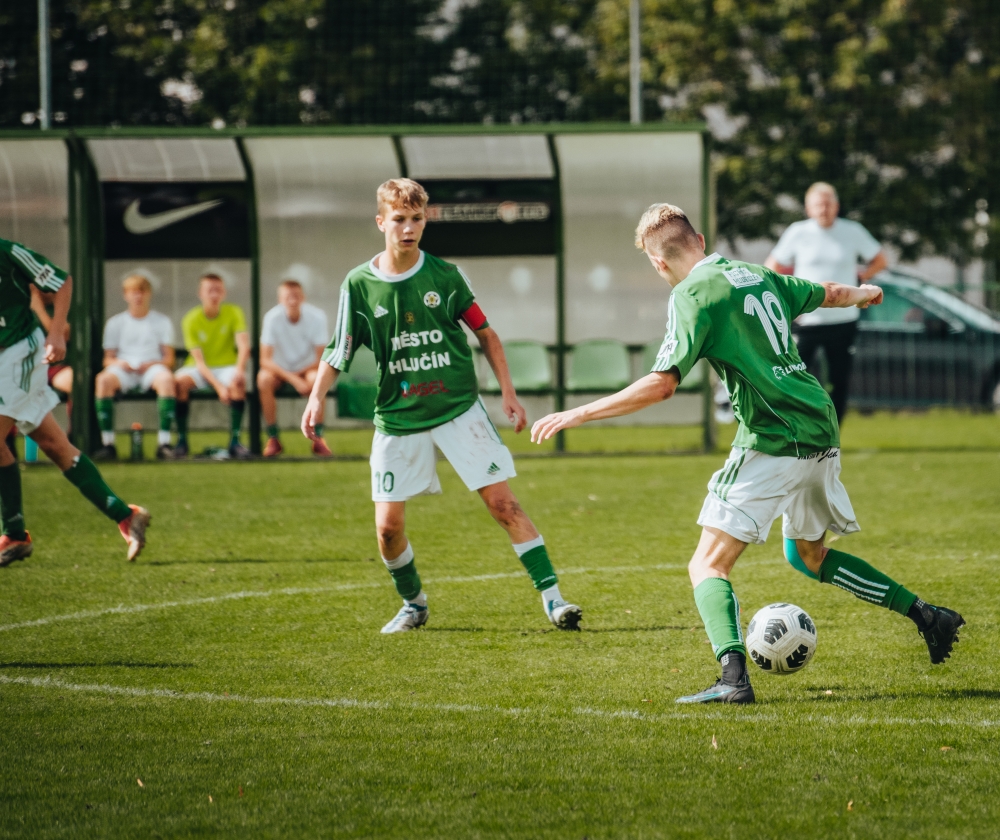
[(781, 638)]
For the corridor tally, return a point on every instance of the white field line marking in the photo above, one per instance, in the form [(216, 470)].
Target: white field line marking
[(121, 609), (468, 708)]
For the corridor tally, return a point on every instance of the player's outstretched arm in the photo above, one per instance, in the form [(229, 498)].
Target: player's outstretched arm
[(651, 389), (325, 377), (492, 347), (839, 296)]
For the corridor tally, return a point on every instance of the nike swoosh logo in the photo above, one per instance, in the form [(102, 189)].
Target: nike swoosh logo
[(135, 222)]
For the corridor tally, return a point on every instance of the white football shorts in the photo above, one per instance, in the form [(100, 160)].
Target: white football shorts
[(753, 489), (403, 466), (25, 394), (140, 382), (223, 374)]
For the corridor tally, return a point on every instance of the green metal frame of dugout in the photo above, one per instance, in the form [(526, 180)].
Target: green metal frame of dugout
[(541, 217)]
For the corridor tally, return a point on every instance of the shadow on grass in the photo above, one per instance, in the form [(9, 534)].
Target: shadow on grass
[(229, 561), (45, 665), (654, 629)]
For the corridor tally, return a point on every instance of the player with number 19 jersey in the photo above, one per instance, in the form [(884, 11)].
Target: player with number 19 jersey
[(411, 321), (739, 316)]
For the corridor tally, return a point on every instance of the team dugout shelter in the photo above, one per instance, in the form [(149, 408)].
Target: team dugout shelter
[(541, 219)]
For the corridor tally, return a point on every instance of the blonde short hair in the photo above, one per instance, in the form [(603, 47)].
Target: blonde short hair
[(401, 192), (137, 281), (823, 186), (666, 230)]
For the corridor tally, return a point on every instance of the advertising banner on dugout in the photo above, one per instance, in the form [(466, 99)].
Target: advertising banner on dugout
[(490, 218), (176, 220)]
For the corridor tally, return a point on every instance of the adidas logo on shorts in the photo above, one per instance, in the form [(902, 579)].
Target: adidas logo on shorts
[(493, 469), (380, 311)]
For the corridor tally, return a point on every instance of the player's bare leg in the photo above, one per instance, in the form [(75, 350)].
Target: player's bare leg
[(397, 554), (267, 386), (166, 406), (185, 385), (80, 471), (938, 626), (709, 570), (320, 448), (530, 548)]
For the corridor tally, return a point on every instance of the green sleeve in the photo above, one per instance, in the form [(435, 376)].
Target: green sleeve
[(239, 319), (187, 329), (349, 332), (688, 328), (800, 296), (463, 296), (35, 268)]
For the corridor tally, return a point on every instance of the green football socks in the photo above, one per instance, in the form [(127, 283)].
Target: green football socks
[(319, 429), (272, 431), (11, 506), (720, 610), (105, 409), (535, 559), (166, 407), (87, 479), (865, 582), (404, 574), (235, 420), (183, 410)]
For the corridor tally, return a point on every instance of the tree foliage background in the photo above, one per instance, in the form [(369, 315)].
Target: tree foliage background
[(893, 101)]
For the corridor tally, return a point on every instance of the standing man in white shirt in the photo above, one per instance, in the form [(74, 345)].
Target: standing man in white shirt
[(138, 356), (826, 249), (292, 339)]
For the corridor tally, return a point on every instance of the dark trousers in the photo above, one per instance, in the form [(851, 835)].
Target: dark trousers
[(837, 341)]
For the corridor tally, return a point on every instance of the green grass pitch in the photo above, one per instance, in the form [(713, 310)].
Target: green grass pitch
[(238, 672)]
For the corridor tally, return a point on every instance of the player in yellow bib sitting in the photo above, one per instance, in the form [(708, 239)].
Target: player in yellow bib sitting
[(217, 340)]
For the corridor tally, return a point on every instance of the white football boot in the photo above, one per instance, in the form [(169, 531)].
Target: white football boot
[(410, 617), (563, 615)]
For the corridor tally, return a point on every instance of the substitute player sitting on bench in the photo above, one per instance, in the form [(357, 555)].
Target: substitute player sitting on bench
[(216, 336), (292, 339), (138, 357), (407, 305)]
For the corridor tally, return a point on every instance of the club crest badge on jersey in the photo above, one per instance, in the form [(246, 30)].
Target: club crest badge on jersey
[(741, 277), (409, 318), (432, 300)]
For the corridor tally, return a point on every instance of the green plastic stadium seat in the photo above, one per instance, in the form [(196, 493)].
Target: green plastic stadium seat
[(357, 389), (694, 381), (529, 367), (600, 365)]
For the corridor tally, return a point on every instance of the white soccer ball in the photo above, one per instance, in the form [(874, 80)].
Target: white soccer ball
[(781, 638)]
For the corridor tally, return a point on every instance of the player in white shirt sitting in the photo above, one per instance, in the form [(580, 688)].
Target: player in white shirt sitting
[(138, 356), (293, 337)]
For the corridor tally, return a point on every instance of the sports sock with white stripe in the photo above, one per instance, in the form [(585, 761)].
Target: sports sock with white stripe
[(404, 575), (720, 610), (535, 559), (864, 581)]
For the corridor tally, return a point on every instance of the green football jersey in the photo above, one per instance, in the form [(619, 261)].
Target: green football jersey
[(19, 268), (739, 317), (411, 322)]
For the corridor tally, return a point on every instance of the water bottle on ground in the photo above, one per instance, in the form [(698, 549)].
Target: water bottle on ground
[(137, 441)]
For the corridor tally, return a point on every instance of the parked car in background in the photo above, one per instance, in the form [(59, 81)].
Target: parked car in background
[(925, 346)]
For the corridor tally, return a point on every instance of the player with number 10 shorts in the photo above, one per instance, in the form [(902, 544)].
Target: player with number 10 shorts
[(408, 307)]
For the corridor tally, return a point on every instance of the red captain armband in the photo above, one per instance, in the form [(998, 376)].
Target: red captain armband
[(474, 317)]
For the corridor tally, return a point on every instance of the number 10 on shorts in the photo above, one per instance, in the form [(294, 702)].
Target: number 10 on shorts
[(384, 482)]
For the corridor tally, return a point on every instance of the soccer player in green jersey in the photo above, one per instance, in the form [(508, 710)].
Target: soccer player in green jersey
[(27, 401), (407, 305), (785, 459), (216, 336)]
